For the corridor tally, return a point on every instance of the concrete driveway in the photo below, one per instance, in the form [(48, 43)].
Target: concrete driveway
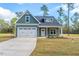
[(17, 47)]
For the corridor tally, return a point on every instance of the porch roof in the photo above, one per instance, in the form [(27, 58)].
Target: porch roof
[(50, 24)]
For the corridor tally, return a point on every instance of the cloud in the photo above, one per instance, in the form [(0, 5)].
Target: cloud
[(75, 10), (6, 14)]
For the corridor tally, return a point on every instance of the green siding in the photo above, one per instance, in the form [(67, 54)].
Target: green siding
[(32, 19)]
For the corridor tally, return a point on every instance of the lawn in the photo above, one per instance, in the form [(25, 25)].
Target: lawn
[(57, 46), (71, 35), (69, 45), (6, 36)]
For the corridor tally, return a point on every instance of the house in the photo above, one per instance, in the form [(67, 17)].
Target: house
[(37, 26)]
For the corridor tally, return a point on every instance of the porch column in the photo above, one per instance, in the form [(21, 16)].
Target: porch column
[(61, 31), (46, 32)]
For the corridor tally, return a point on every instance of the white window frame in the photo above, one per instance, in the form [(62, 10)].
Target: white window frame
[(53, 32), (26, 19)]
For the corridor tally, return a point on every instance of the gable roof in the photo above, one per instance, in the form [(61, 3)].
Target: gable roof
[(26, 12), (54, 23)]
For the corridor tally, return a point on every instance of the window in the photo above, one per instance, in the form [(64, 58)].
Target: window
[(52, 31), (49, 20), (43, 20), (27, 19)]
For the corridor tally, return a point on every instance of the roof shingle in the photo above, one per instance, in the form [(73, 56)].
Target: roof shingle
[(53, 23)]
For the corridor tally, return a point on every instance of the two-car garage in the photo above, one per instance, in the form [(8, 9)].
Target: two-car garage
[(27, 32)]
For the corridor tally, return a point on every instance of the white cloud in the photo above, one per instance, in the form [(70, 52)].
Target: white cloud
[(75, 10), (6, 14)]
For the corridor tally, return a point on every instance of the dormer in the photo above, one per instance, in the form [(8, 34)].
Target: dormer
[(42, 20), (49, 20)]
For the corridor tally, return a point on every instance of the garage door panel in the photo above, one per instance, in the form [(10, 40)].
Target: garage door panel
[(27, 32)]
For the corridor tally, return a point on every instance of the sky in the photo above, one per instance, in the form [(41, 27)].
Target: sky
[(7, 10)]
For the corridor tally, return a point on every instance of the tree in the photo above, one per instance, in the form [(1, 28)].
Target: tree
[(75, 17), (60, 12), (5, 26), (76, 27), (13, 22), (45, 10), (19, 13), (75, 21), (65, 27), (70, 7)]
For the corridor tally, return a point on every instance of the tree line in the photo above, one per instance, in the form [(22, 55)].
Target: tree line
[(6, 27)]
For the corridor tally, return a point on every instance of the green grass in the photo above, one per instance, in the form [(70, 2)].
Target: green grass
[(4, 37), (57, 46), (72, 35)]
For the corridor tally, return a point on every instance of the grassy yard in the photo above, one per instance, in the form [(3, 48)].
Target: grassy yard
[(68, 45), (4, 37), (71, 35), (57, 46)]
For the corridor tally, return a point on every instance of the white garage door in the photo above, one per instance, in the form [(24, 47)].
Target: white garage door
[(27, 32)]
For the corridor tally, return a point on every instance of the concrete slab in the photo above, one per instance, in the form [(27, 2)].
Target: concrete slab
[(17, 47)]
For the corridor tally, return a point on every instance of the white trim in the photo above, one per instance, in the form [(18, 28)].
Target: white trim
[(50, 26), (27, 27), (26, 24)]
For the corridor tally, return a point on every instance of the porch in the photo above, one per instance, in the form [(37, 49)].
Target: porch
[(49, 31)]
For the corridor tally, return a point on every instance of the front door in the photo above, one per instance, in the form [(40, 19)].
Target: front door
[(42, 32)]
